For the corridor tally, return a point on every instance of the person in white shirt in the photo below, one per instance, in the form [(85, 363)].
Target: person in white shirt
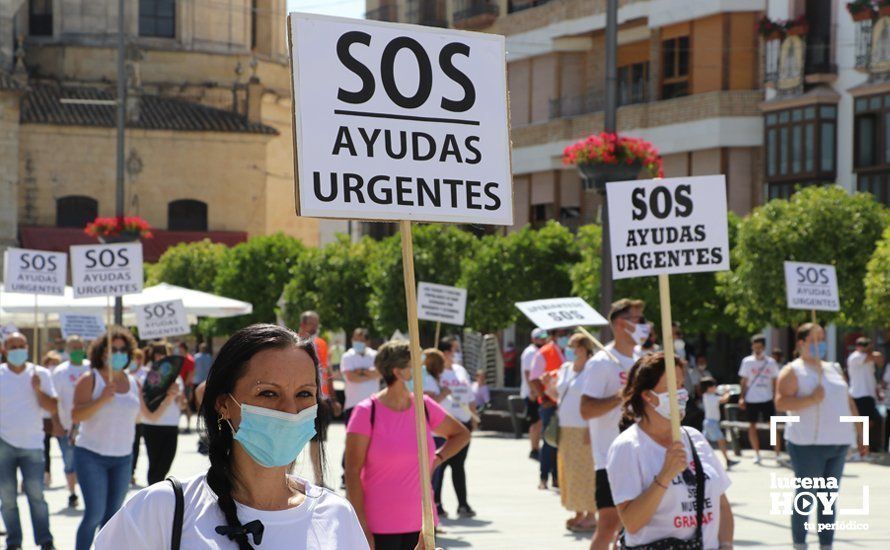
[(65, 378), (526, 391), (577, 485), (26, 391), (758, 373), (161, 434), (357, 366), (861, 366), (711, 402), (459, 404), (259, 410), (667, 492), (601, 404), (816, 392)]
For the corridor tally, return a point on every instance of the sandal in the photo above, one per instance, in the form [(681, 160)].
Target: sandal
[(582, 527)]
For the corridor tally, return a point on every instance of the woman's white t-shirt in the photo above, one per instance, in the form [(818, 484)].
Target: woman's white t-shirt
[(324, 521), (457, 404), (634, 461), (820, 424), (570, 386)]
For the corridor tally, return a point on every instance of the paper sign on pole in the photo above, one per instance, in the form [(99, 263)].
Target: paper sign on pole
[(668, 226), (88, 327), (560, 313), (35, 272), (106, 269), (442, 303), (399, 122), (6, 331), (162, 319), (811, 286)]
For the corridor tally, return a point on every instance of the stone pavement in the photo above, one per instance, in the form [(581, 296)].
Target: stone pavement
[(513, 513)]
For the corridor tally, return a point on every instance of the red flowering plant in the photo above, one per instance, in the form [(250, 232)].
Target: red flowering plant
[(609, 148), (769, 29), (104, 228)]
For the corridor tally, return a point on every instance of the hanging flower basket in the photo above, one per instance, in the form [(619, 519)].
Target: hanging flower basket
[(883, 7), (604, 157), (861, 10), (119, 230), (798, 26), (769, 29)]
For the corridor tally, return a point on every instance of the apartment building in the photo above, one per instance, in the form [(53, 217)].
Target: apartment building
[(689, 81)]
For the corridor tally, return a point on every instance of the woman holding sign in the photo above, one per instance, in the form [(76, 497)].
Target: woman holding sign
[(107, 401), (816, 391), (669, 494)]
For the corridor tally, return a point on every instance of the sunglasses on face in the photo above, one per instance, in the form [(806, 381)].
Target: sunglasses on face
[(119, 350), (638, 320)]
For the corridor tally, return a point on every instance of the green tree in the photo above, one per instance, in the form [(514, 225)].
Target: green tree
[(877, 283), (817, 224), (256, 271), (190, 265), (438, 252), (529, 264), (332, 281)]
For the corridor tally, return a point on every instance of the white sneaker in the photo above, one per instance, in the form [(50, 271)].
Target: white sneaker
[(854, 458), (757, 459)]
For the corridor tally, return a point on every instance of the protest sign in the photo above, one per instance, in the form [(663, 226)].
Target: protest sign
[(6, 331), (668, 226), (106, 269), (158, 380), (35, 272), (556, 313), (409, 122), (441, 303), (811, 286), (162, 319), (88, 327)]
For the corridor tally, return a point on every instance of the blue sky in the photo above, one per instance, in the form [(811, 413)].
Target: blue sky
[(343, 8)]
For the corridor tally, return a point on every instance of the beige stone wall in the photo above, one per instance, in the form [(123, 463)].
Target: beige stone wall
[(227, 171), (9, 168)]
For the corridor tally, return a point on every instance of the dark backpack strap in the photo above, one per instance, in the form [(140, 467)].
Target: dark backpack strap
[(373, 412), (178, 511), (699, 488)]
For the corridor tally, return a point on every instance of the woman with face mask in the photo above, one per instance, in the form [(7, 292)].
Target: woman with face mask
[(161, 435), (816, 391), (382, 469), (668, 494), (259, 409), (107, 400)]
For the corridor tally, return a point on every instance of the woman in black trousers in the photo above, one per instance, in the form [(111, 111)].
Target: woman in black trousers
[(161, 435)]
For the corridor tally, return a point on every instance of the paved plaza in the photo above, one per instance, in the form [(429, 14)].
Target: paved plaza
[(513, 513)]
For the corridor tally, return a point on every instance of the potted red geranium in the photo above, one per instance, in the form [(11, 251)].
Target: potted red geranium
[(862, 10), (769, 29), (605, 157), (797, 26), (119, 229), (883, 7)]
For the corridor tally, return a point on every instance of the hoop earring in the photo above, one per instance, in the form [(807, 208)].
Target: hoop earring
[(219, 419)]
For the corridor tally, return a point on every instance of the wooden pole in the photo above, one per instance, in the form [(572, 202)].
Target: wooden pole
[(813, 316), (428, 532), (438, 332), (35, 355), (108, 337), (597, 343), (664, 292)]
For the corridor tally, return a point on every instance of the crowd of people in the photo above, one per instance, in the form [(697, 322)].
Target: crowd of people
[(599, 427)]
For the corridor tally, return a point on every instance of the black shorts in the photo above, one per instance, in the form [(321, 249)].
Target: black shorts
[(867, 406), (755, 411), (603, 494), (532, 412)]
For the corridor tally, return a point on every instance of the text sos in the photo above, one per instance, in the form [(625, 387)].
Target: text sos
[(37, 262), (662, 202), (107, 258), (812, 275), (158, 310)]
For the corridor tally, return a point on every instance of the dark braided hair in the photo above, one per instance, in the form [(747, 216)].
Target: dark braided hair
[(228, 367)]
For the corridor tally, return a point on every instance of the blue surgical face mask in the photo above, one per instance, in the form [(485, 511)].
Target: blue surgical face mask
[(359, 347), (562, 342), (17, 356), (119, 360), (274, 438), (664, 404), (570, 354), (409, 385), (819, 350)]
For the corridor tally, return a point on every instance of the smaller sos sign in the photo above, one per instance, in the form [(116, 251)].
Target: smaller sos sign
[(35, 271), (811, 286), (161, 319)]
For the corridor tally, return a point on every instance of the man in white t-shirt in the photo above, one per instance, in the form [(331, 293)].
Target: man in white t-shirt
[(26, 390), (357, 366), (526, 391), (759, 373), (601, 405), (65, 378), (863, 382)]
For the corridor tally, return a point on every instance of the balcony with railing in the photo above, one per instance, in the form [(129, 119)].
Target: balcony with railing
[(430, 13), (514, 6), (863, 43), (386, 12), (475, 14), (630, 92)]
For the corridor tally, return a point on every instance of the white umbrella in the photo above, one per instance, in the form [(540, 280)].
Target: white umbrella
[(197, 303), (18, 308)]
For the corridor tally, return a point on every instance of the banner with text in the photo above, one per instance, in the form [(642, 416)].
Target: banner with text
[(442, 303), (88, 327), (35, 272), (560, 313), (811, 286), (668, 226), (408, 123), (162, 319), (106, 269)]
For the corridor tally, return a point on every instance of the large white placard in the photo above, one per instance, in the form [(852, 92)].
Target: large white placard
[(442, 303), (35, 272), (811, 286), (88, 327), (162, 319), (106, 269), (560, 313), (399, 122), (668, 226)]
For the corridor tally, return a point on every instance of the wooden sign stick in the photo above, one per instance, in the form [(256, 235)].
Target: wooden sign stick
[(108, 334), (36, 353), (438, 331), (428, 532), (597, 343), (664, 292), (813, 316)]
